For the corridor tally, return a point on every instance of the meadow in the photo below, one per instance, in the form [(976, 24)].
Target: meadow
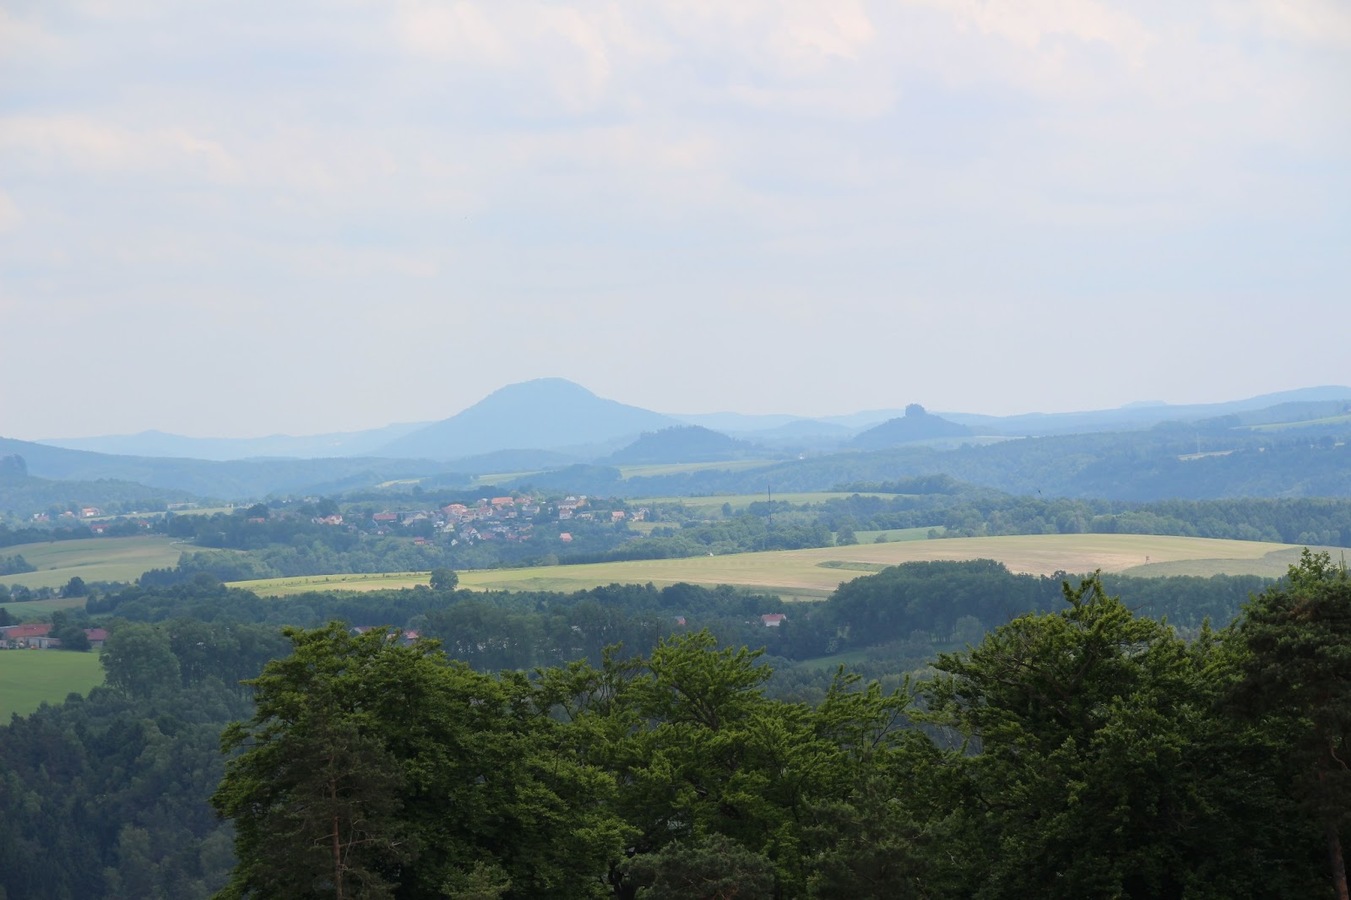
[(712, 505), (1307, 423), (30, 677), (640, 470), (815, 573), (40, 610), (93, 559)]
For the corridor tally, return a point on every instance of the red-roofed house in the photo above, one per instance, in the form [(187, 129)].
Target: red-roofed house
[(772, 620), (14, 637)]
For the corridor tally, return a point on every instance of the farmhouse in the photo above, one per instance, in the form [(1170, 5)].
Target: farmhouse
[(18, 637), (38, 636)]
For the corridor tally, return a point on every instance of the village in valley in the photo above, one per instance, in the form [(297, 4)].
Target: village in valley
[(505, 518)]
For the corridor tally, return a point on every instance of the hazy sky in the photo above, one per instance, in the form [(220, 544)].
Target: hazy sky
[(236, 218)]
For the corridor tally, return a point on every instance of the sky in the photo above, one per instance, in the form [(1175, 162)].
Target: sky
[(237, 218)]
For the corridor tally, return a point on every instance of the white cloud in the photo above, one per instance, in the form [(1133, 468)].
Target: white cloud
[(669, 169), (85, 144), (22, 38), (1312, 22), (458, 32), (1032, 23), (812, 32), (10, 214)]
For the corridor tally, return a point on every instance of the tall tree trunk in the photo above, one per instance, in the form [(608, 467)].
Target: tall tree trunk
[(1336, 861), (337, 843)]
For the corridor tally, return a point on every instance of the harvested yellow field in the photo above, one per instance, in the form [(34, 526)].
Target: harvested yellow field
[(817, 572)]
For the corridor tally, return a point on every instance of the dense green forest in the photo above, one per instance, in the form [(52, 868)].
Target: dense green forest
[(1087, 752), (1076, 747)]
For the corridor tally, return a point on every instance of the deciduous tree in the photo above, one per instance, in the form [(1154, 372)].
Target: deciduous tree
[(1297, 684)]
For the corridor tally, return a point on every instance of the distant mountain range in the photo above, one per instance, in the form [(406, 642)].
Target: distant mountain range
[(564, 418), (317, 446), (545, 414), (551, 430), (682, 444), (916, 425)]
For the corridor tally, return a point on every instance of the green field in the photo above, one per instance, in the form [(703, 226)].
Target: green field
[(712, 506), (815, 573), (29, 677), (1306, 423), (41, 610), (93, 559), (651, 469), (379, 581), (896, 534)]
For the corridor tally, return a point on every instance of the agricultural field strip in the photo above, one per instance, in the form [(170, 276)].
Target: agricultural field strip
[(639, 470), (818, 571), (1307, 423), (713, 504), (40, 610), (29, 677), (124, 559), (93, 559)]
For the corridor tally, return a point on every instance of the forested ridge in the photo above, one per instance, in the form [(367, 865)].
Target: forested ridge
[(1079, 748), (1175, 460)]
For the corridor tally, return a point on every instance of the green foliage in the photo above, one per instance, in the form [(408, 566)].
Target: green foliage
[(1295, 687), (358, 749), (709, 868), (15, 565), (106, 797), (485, 881), (1095, 764), (1079, 750), (139, 662)]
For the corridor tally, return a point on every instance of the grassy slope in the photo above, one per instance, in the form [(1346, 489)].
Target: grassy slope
[(29, 677), (93, 559), (712, 506), (41, 610), (815, 573)]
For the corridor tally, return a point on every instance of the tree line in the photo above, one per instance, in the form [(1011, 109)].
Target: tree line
[(1083, 752), (588, 744)]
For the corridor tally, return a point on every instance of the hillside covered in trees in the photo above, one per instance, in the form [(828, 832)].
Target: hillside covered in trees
[(623, 742)]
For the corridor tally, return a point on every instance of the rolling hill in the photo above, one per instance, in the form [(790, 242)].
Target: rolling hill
[(544, 414), (680, 444), (915, 426)]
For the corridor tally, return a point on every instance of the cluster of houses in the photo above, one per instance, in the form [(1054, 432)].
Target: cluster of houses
[(491, 518), (86, 512), (38, 636), (95, 527)]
